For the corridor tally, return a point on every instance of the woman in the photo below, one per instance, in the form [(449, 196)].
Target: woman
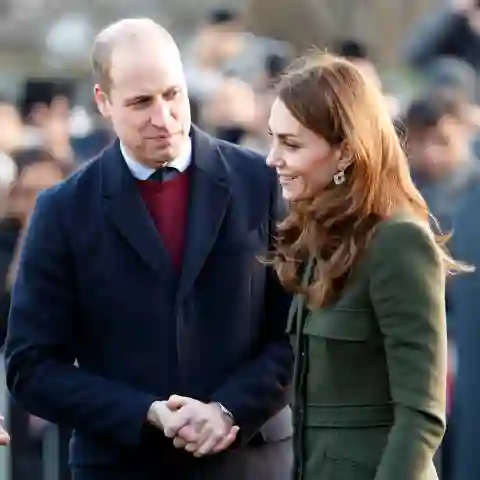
[(368, 320), (37, 170)]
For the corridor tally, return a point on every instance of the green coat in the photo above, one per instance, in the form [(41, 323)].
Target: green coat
[(370, 373)]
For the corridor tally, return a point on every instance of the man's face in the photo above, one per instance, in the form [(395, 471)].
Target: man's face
[(148, 102), (439, 149)]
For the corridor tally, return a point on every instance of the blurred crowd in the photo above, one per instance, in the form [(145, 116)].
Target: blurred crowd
[(46, 134)]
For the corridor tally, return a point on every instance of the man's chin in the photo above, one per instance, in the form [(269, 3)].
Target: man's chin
[(163, 156)]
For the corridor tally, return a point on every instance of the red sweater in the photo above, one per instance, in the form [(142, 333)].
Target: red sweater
[(167, 203)]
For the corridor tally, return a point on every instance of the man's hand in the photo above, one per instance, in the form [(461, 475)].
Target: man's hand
[(213, 429), (160, 416)]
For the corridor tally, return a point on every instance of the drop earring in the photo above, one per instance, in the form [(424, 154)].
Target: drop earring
[(339, 178)]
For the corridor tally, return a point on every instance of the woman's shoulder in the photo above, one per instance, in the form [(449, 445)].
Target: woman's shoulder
[(401, 236), (400, 230)]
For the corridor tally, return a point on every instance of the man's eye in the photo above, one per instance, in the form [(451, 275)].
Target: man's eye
[(173, 94)]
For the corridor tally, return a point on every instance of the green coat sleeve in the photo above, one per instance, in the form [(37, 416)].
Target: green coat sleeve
[(407, 288)]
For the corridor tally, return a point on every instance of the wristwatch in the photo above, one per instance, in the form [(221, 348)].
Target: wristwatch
[(226, 411)]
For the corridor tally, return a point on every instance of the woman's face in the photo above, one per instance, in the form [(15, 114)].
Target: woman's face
[(304, 161), (34, 179)]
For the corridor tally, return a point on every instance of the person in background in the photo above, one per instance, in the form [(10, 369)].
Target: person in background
[(37, 170), (222, 49), (4, 436), (452, 77), (440, 133), (12, 131), (231, 111), (358, 53), (439, 138), (256, 137), (465, 294), (8, 174), (451, 33), (368, 273)]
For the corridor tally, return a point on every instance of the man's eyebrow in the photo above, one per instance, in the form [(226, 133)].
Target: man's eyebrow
[(137, 98), (172, 89), (148, 96)]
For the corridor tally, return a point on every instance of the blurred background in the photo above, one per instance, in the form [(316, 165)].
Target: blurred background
[(424, 54)]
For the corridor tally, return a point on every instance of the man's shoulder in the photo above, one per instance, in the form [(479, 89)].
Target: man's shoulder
[(82, 179)]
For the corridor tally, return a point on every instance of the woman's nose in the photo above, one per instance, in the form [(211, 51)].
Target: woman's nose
[(273, 159)]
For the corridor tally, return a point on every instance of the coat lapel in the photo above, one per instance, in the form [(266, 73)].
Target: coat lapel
[(209, 198), (127, 212)]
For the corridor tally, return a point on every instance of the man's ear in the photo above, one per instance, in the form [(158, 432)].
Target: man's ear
[(102, 101)]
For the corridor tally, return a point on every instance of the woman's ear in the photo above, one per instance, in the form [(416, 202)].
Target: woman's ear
[(345, 157), (344, 162)]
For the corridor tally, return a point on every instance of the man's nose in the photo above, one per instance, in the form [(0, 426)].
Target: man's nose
[(161, 113)]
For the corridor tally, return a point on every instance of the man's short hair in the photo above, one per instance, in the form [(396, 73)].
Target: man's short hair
[(427, 112), (352, 49), (123, 32)]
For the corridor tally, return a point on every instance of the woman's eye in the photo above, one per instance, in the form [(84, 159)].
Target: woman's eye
[(292, 146)]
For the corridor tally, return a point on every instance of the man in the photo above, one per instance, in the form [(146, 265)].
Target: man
[(141, 315)]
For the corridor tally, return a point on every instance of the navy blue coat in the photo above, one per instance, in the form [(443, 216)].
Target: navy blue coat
[(464, 419), (101, 324)]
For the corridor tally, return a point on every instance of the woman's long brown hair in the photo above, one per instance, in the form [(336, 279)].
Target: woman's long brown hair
[(331, 97)]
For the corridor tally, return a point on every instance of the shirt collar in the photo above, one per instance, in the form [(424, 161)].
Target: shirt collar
[(141, 172)]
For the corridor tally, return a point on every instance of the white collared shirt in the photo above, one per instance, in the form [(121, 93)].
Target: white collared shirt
[(142, 172)]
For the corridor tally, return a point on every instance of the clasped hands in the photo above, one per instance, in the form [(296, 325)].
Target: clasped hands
[(199, 428)]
